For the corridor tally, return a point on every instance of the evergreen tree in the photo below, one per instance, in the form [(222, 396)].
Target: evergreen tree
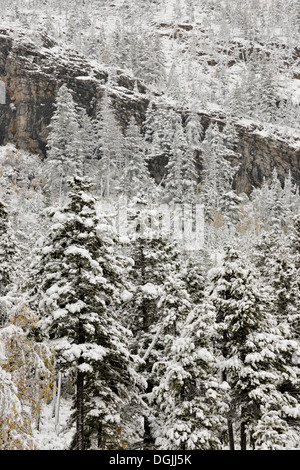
[(218, 172), (257, 356), (267, 88), (230, 136), (291, 269), (154, 71), (194, 130), (63, 156), (109, 146), (79, 279), (174, 168), (181, 177), (8, 251), (159, 129), (189, 392), (156, 299), (88, 141), (120, 45), (136, 176)]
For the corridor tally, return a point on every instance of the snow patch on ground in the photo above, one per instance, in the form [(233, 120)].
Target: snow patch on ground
[(47, 437)]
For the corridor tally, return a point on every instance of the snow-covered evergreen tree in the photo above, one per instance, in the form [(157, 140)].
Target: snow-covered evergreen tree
[(8, 251), (158, 297), (217, 173), (79, 277), (159, 128), (258, 358), (194, 130), (63, 156), (189, 392), (88, 142), (109, 146), (135, 177), (181, 176)]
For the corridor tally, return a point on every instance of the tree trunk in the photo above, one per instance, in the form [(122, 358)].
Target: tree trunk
[(243, 436), (99, 438), (57, 405), (54, 402), (229, 421), (230, 434), (79, 411), (148, 439)]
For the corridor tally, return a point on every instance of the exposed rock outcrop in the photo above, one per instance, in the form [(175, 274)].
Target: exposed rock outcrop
[(260, 152), (33, 72), (32, 75)]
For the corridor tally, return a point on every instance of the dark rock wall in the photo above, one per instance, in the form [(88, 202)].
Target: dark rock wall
[(260, 154), (33, 75)]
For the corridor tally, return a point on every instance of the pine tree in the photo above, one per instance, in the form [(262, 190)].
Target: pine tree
[(267, 104), (109, 146), (181, 174), (154, 71), (119, 46), (79, 279), (8, 251), (218, 172), (292, 259), (159, 129), (275, 202), (136, 176), (174, 178), (175, 86), (230, 136), (88, 142), (63, 156), (189, 392), (154, 256), (155, 298), (194, 130), (257, 356), (290, 196)]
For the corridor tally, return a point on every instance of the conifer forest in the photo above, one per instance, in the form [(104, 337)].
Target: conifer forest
[(150, 225)]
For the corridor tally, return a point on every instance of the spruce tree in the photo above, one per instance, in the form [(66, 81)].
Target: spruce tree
[(217, 173), (8, 251), (80, 278), (258, 358), (87, 142), (63, 156), (159, 129), (136, 176), (157, 298), (189, 393), (109, 146)]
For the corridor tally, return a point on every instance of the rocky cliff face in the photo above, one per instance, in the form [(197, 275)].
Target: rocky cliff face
[(33, 73), (260, 153)]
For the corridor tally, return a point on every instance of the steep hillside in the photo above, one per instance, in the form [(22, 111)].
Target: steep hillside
[(149, 226), (33, 71)]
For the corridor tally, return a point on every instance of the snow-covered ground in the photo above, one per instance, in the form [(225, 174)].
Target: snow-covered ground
[(50, 438)]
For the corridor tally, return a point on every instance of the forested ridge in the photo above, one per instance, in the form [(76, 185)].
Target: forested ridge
[(182, 331)]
